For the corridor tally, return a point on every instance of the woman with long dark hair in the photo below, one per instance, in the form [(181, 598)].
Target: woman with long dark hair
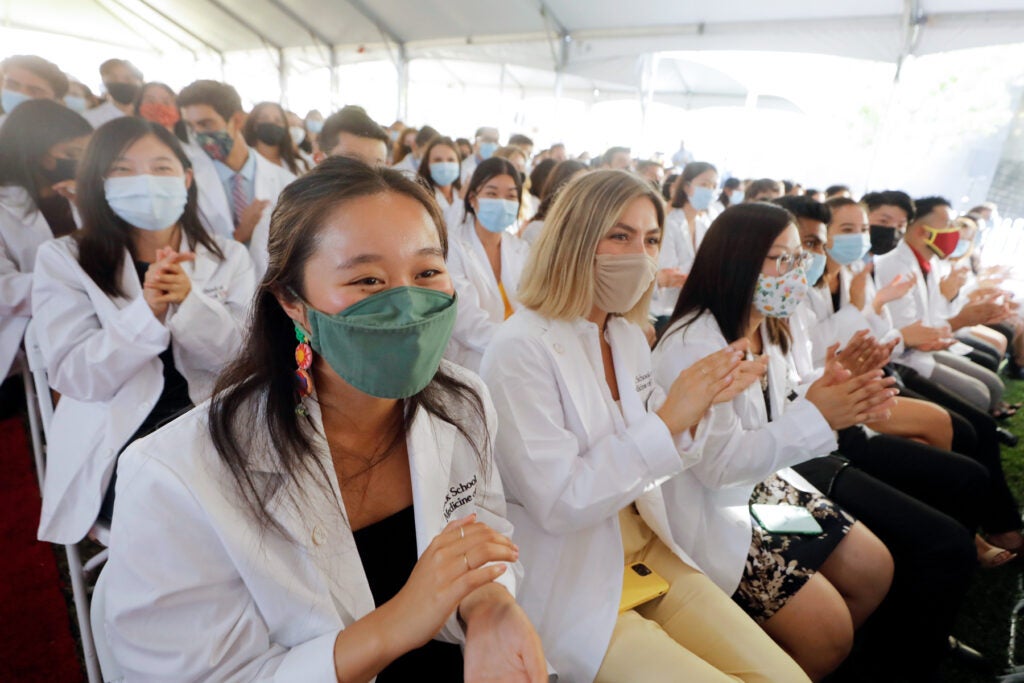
[(486, 259), (40, 144), (808, 592), (334, 512), (266, 130), (440, 168), (135, 313)]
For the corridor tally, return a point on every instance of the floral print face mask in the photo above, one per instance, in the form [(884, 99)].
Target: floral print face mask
[(779, 296)]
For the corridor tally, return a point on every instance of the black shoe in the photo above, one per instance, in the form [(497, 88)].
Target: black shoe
[(967, 654), (1006, 437), (1012, 370)]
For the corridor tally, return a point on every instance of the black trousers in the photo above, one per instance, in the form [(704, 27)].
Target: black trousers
[(983, 354), (1002, 514), (949, 482), (905, 639)]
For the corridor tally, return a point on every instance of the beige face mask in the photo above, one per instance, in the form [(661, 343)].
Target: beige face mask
[(621, 279)]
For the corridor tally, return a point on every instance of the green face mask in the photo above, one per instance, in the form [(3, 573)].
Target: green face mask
[(388, 345)]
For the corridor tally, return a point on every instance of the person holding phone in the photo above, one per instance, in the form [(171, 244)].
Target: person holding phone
[(334, 512), (809, 592), (583, 432)]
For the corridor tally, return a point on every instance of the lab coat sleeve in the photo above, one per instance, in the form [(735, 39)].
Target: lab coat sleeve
[(209, 329), (491, 510), (733, 455), (169, 575), (15, 287), (87, 360), (473, 326), (562, 484)]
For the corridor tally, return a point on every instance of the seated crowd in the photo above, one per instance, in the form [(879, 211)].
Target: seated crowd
[(365, 402)]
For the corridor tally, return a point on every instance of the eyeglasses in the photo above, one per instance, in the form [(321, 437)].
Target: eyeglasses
[(788, 262)]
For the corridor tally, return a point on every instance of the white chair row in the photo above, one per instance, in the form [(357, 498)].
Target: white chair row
[(39, 403)]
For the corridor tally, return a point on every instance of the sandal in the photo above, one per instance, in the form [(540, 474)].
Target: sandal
[(996, 557), (1003, 412)]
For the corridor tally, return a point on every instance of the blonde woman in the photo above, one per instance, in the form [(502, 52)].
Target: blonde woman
[(583, 432)]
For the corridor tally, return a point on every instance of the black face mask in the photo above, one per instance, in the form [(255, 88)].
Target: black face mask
[(883, 239), (64, 170), (270, 133), (123, 93)]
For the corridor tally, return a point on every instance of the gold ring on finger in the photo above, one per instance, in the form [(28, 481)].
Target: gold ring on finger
[(462, 532)]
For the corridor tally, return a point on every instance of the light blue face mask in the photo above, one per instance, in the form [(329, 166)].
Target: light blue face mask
[(444, 173), (75, 103), (146, 201), (496, 215), (849, 248), (487, 149), (314, 126), (736, 197), (962, 247), (701, 197), (816, 267), (10, 99)]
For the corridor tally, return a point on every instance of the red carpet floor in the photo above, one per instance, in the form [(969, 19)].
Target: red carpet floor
[(35, 633)]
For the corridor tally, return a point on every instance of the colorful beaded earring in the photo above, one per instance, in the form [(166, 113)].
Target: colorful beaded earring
[(303, 361)]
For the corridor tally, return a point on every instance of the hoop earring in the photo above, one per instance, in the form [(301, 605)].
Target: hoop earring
[(303, 361)]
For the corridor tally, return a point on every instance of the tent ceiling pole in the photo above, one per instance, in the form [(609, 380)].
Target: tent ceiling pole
[(244, 24), (182, 28), (102, 4), (282, 76), (403, 84), (299, 21)]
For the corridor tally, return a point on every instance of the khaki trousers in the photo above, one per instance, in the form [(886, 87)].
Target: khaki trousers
[(693, 633)]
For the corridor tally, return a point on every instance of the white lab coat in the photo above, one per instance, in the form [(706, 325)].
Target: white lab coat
[(677, 251), (270, 179), (480, 308), (185, 554), (214, 210), (20, 237), (103, 113), (531, 232), (826, 326), (455, 212), (924, 303), (706, 507), (570, 461), (102, 356)]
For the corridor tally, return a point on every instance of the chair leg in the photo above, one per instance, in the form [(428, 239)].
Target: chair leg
[(81, 596), (35, 426)]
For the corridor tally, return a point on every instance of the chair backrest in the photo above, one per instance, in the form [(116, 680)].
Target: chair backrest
[(108, 665), (37, 366)]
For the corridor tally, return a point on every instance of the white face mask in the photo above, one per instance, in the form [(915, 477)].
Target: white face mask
[(146, 201), (298, 134)]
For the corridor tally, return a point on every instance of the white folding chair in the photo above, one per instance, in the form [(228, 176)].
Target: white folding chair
[(26, 365), (108, 665), (78, 572)]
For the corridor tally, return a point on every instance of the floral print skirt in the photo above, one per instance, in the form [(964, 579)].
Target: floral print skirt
[(778, 565)]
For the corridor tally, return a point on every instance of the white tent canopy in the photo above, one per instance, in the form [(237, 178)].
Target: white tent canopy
[(597, 44)]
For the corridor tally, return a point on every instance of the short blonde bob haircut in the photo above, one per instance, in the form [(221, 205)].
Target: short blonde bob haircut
[(558, 280)]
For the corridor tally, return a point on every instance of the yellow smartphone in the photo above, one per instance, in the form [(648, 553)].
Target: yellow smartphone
[(640, 584)]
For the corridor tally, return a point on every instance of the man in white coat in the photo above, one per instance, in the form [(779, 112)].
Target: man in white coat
[(213, 111), (122, 80), (28, 77)]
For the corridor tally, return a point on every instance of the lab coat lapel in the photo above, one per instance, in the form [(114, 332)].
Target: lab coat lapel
[(318, 524), (430, 443), (571, 360), (484, 275), (632, 405)]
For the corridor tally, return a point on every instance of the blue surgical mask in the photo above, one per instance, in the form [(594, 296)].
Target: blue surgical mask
[(11, 99), (962, 247), (147, 201), (487, 149), (496, 215), (314, 126), (701, 197), (849, 248), (75, 103), (736, 197), (444, 173), (816, 268)]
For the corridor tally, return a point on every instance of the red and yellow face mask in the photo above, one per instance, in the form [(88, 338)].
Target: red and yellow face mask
[(942, 241)]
